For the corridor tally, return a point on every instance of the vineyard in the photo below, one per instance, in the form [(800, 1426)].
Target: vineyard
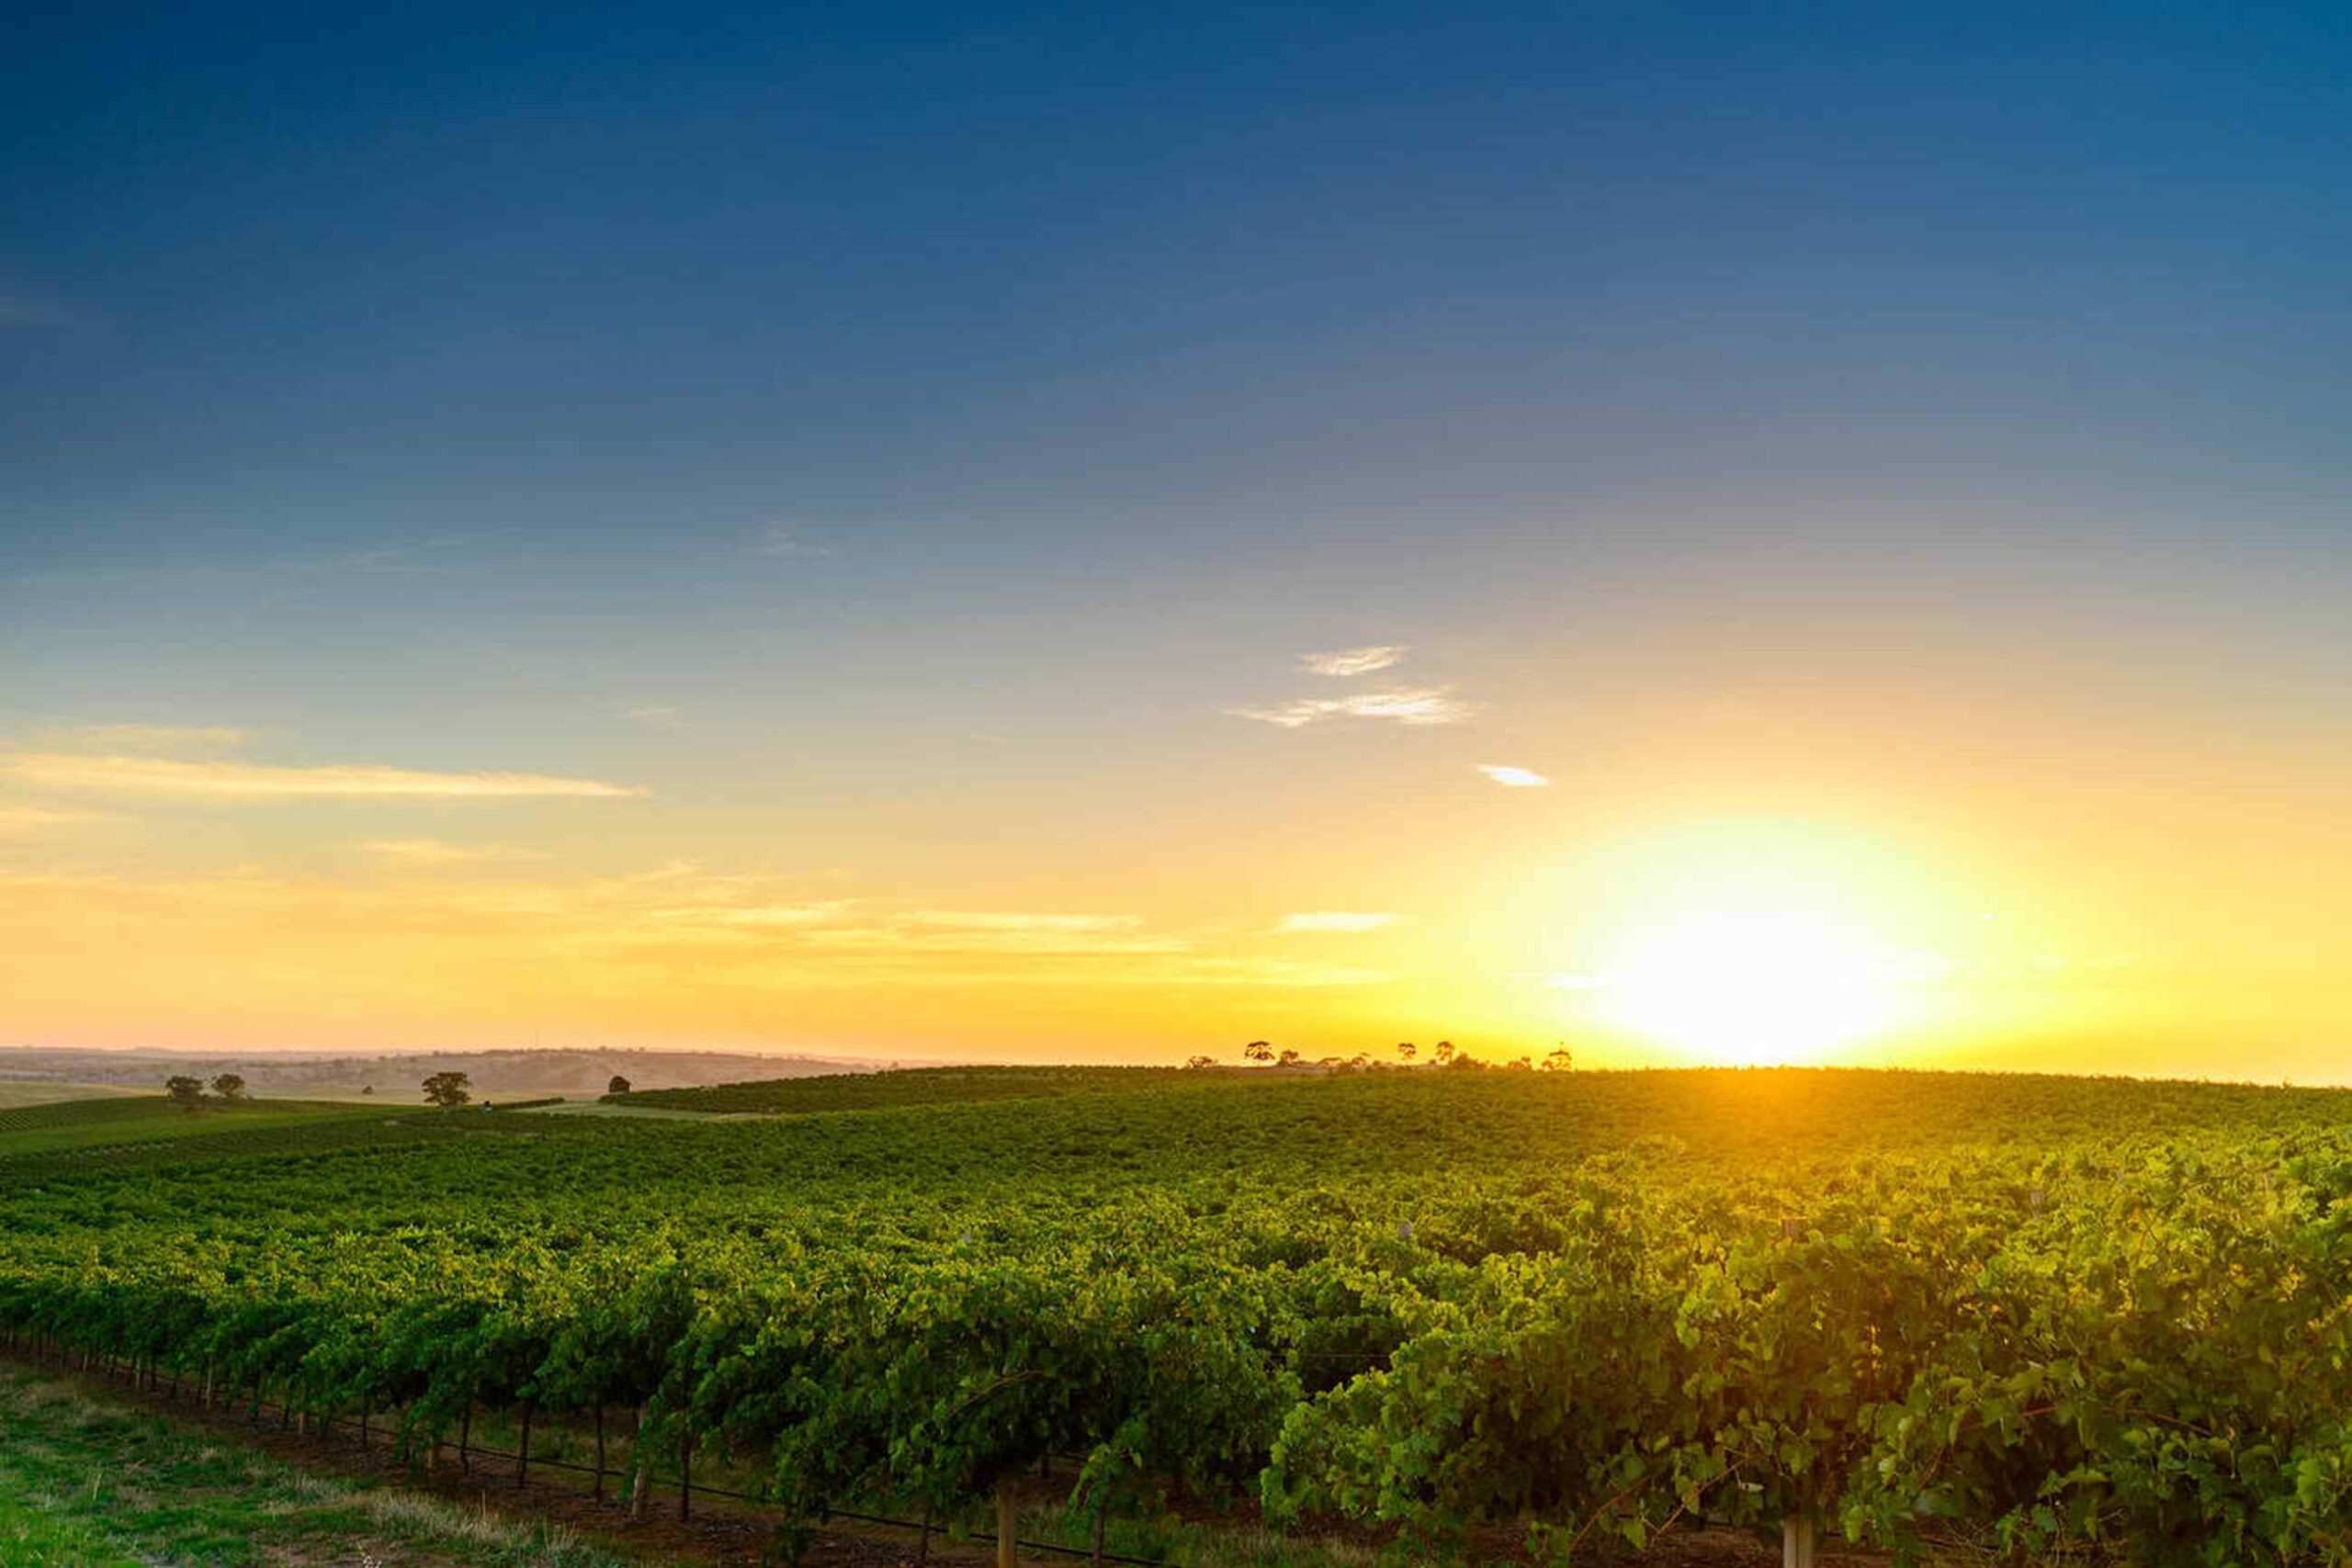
[(1446, 1313), (876, 1091)]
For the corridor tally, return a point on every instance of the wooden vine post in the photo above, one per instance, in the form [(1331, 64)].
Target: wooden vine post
[(642, 1456), (523, 1452), (600, 1452), (686, 1476), (1796, 1542), (1008, 1553)]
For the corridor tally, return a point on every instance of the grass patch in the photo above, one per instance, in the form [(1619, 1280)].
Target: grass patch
[(92, 1484)]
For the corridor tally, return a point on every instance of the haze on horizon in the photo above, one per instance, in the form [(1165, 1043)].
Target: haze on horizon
[(1057, 534)]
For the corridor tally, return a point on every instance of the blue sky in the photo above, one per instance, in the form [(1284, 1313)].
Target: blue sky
[(941, 404)]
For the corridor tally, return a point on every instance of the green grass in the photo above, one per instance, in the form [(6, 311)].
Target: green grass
[(609, 1108), (90, 1484), (89, 1124), (884, 1090)]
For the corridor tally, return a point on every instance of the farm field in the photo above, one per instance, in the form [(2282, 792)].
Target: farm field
[(878, 1091), (68, 1126), (1442, 1314), (15, 1092)]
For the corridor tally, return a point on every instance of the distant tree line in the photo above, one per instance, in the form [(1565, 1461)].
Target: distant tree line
[(227, 1088), (1445, 1053)]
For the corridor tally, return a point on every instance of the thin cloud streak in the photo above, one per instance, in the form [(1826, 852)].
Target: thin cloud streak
[(256, 781), (1005, 920), (1514, 778), (39, 819), (1348, 662), (781, 541), (435, 852), (397, 557), (1402, 705), (118, 738), (785, 916), (1335, 920)]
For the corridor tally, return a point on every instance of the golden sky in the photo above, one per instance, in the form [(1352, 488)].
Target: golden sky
[(1060, 537), (1713, 844)]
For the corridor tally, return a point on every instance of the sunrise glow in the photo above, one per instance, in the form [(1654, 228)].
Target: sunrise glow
[(1064, 548)]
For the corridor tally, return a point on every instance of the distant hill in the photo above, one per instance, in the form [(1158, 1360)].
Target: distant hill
[(396, 1076)]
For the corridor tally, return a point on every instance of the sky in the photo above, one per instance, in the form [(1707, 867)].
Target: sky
[(1694, 533)]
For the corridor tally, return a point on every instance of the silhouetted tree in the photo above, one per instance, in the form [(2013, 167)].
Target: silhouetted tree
[(230, 1085), (1561, 1060), (618, 1086), (1442, 1053), (448, 1091), (185, 1092), (1258, 1050), (1519, 1064), (1289, 1058), (1197, 1062), (1406, 1050)]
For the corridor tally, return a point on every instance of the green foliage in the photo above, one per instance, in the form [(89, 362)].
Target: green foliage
[(875, 1091), (447, 1090), (2040, 1313)]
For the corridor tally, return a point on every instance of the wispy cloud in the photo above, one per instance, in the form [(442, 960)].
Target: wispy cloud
[(39, 819), (436, 851), (1403, 704), (1014, 920), (756, 916), (1355, 661), (1513, 778), (255, 780), (144, 738), (1279, 972), (1335, 920), (873, 926), (782, 541), (1002, 931), (19, 309), (740, 937), (654, 715), (394, 558)]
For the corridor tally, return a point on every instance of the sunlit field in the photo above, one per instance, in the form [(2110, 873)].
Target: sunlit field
[(1447, 1311)]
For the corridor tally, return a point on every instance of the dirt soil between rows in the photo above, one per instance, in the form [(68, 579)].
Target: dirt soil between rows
[(725, 1531)]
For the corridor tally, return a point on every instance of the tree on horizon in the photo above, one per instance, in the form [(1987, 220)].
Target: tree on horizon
[(447, 1090)]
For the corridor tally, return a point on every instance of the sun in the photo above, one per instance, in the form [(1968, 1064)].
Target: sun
[(1752, 987)]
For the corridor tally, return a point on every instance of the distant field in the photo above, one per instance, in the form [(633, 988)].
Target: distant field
[(630, 1110), (876, 1091), (13, 1093), (117, 1128)]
